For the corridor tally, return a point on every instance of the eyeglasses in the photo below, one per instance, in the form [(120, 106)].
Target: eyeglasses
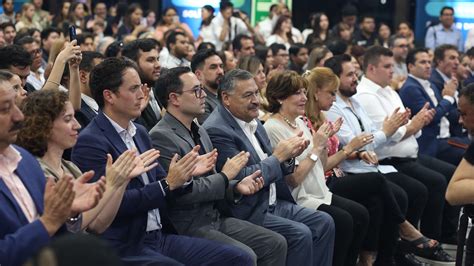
[(36, 51), (197, 91)]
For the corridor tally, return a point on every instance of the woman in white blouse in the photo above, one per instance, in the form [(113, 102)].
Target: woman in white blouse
[(282, 33), (286, 93)]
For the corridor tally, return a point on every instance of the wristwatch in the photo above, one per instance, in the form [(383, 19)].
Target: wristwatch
[(165, 185), (314, 157)]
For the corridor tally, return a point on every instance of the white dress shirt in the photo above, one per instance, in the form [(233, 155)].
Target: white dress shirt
[(249, 130), (154, 219), (237, 26), (380, 103), (444, 122)]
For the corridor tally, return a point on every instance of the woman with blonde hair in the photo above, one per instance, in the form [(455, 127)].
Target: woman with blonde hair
[(385, 201), (26, 20)]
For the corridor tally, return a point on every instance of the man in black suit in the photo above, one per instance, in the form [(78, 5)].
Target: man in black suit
[(89, 107)]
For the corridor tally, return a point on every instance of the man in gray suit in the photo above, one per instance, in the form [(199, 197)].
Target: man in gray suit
[(195, 214)]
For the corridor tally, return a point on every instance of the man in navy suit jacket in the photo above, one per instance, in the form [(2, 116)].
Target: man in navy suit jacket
[(89, 107), (233, 127), (416, 92), (136, 231), (30, 214)]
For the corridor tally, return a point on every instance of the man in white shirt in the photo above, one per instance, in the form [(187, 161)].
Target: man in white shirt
[(265, 27), (225, 26), (178, 47), (401, 149)]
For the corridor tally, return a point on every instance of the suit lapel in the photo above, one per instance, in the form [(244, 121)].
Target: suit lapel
[(420, 87), (239, 132), (114, 138)]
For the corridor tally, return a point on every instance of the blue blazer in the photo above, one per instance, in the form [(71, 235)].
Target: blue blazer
[(20, 239), (414, 97), (127, 231), (229, 139)]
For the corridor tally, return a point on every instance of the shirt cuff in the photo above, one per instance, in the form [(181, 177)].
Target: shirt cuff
[(449, 98)]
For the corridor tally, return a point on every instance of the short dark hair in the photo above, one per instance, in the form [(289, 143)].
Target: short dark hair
[(132, 49), (275, 47), (172, 38), (236, 43), (206, 45), (24, 40), (470, 52), (14, 55), (411, 57), (441, 50), (295, 49), (87, 62), (225, 4), (200, 57), (4, 25), (114, 49), (445, 8), (281, 86), (108, 76), (364, 16), (468, 93), (169, 82), (373, 54), (46, 32), (335, 63), (81, 38), (227, 83), (337, 46)]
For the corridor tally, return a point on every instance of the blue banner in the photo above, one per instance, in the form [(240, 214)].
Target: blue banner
[(427, 14)]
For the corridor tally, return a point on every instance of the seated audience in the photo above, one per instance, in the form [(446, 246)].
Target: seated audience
[(136, 232), (286, 94), (170, 21), (438, 221), (39, 208), (196, 214), (282, 33), (177, 45), (436, 139), (298, 58), (410, 194), (233, 127)]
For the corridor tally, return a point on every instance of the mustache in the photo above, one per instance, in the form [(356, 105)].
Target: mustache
[(16, 126)]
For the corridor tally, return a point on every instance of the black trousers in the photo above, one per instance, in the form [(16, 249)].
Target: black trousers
[(439, 219), (351, 220), (386, 202), (371, 189)]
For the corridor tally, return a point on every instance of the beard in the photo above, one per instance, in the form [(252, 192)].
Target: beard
[(214, 84), (347, 92)]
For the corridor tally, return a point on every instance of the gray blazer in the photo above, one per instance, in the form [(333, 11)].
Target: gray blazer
[(195, 209)]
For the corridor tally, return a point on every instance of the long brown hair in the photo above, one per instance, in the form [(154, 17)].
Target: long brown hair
[(318, 78), (277, 28)]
